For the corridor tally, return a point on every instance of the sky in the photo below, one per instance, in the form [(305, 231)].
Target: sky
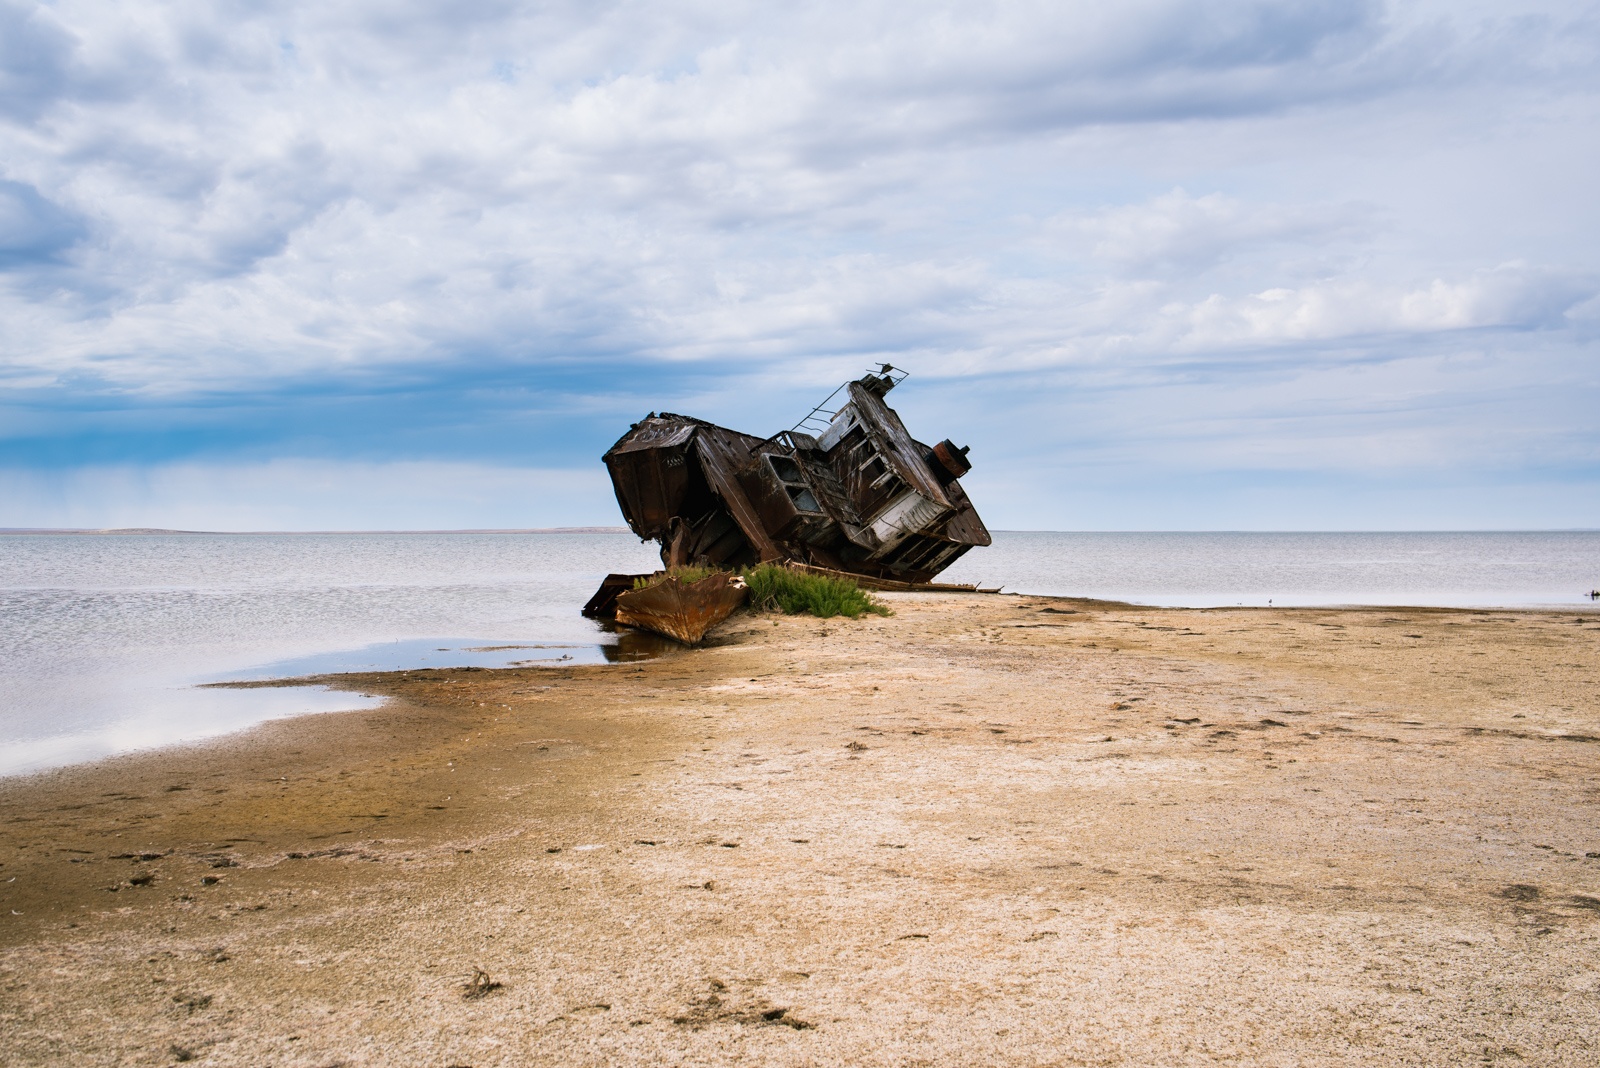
[(1162, 264)]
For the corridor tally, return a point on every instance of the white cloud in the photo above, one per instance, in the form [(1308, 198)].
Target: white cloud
[(1510, 296), (295, 190), (218, 200), (1179, 232)]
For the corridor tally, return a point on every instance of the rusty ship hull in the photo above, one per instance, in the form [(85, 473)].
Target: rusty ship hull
[(683, 611), (848, 490)]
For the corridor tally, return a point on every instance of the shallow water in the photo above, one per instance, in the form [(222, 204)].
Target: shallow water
[(104, 638), (1199, 570), (619, 647)]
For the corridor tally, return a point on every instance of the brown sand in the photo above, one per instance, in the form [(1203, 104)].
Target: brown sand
[(985, 831)]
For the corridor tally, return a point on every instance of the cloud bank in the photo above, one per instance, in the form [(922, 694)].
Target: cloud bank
[(491, 234)]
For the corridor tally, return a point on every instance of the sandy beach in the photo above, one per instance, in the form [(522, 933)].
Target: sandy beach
[(987, 830)]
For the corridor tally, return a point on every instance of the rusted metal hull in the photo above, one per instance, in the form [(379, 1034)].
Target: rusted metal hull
[(873, 582), (847, 490), (682, 611), (603, 605)]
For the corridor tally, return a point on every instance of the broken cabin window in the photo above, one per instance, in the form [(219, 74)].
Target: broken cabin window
[(794, 483), (786, 470)]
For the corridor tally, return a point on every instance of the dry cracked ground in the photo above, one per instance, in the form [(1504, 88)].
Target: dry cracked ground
[(987, 830)]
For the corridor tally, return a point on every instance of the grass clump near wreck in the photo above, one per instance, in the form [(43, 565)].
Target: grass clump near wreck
[(798, 593), (686, 575)]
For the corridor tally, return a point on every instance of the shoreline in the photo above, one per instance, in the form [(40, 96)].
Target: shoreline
[(639, 645), (988, 829)]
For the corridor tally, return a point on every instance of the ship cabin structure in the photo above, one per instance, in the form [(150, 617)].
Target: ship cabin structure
[(847, 489)]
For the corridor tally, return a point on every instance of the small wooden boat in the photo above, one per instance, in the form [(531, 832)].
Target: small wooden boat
[(683, 611)]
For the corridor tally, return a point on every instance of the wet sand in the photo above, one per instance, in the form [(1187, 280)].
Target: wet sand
[(984, 831)]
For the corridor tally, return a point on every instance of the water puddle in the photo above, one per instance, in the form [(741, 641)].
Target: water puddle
[(626, 646), (155, 712), (155, 716)]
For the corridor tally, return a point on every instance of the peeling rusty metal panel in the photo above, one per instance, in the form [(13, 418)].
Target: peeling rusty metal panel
[(889, 434), (657, 432), (775, 509), (603, 605), (652, 474), (830, 491), (722, 453), (652, 489), (965, 526), (682, 611), (869, 477)]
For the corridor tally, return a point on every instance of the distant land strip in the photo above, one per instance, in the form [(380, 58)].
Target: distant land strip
[(160, 530)]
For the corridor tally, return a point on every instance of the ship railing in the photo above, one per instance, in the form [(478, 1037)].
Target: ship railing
[(817, 422)]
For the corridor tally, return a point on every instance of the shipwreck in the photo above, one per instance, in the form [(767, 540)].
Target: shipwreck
[(846, 490)]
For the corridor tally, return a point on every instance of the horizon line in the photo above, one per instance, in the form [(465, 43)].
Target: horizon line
[(595, 529)]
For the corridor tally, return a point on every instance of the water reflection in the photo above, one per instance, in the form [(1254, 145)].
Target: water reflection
[(167, 715), (627, 646), (634, 645), (161, 716)]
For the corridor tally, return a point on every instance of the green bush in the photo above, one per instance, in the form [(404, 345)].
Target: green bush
[(798, 593)]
